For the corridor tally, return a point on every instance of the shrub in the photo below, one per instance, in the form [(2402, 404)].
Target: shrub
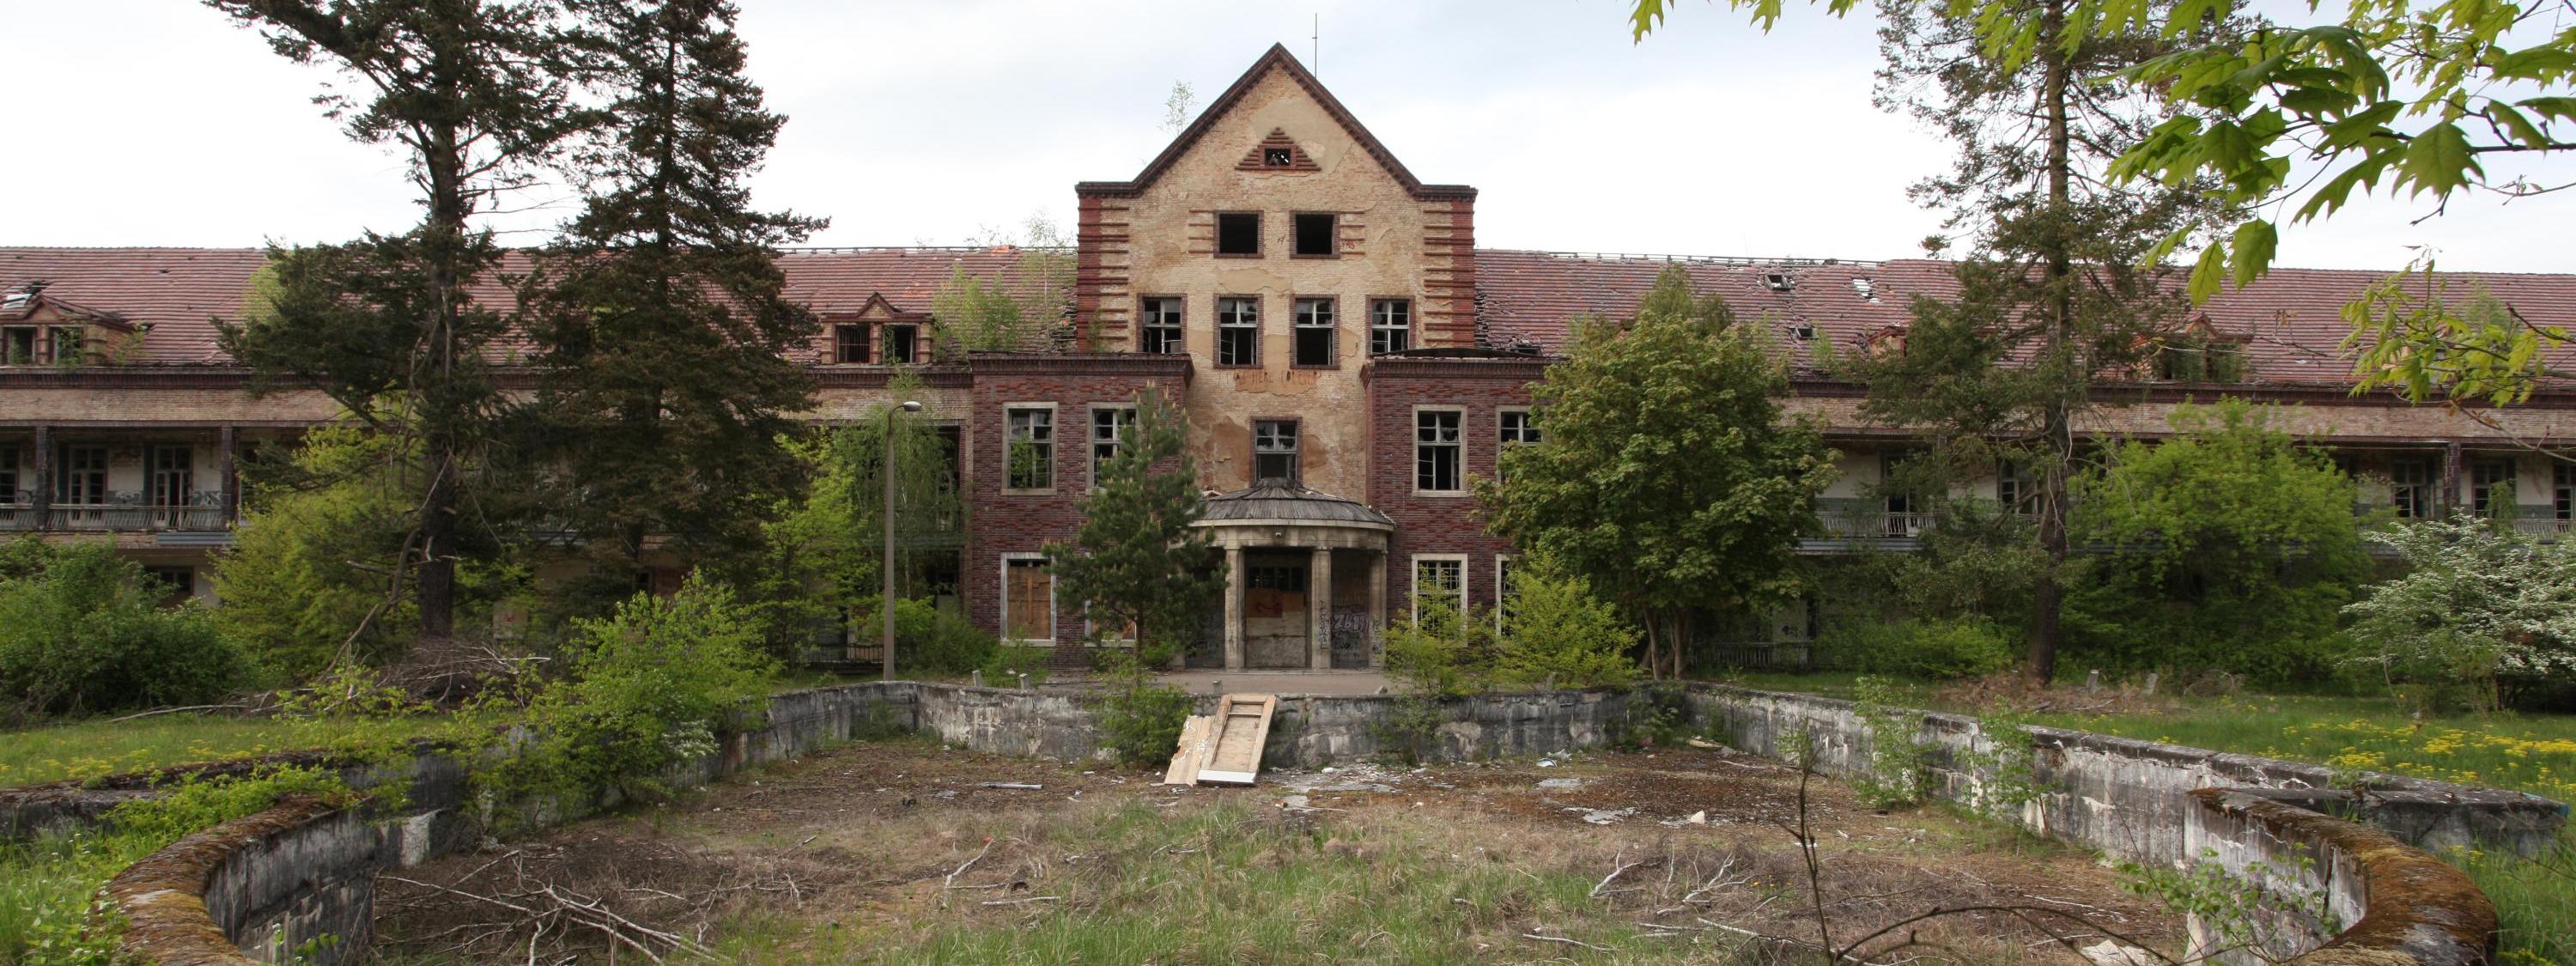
[(652, 685), (2479, 606), (1441, 653), (309, 562), (1558, 632), (81, 632), (1956, 648), (1140, 721), (928, 641)]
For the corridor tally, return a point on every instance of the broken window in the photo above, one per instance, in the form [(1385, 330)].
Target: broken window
[(1779, 281), (1238, 331), (1504, 592), (2015, 489), (1442, 579), (1438, 446), (850, 343), (2490, 486), (1314, 235), (1313, 329), (9, 476), (1158, 326), (902, 344), (1028, 600), (1274, 450), (1519, 427), (18, 345), (1110, 428), (1238, 233), (2562, 478), (63, 344), (1032, 442), (2410, 488), (1390, 325)]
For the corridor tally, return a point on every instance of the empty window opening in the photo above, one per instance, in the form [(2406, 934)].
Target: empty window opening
[(1159, 326), (1238, 233), (1032, 442), (849, 343), (903, 344), (1779, 282), (1390, 326), (1314, 234), (1278, 157), (1803, 331), (1437, 451), (1314, 328), (18, 345), (1111, 427), (1238, 331), (1274, 451), (1028, 600)]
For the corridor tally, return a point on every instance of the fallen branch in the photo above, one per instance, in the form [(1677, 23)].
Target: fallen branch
[(1014, 902), (961, 870), (1614, 874), (1561, 939)]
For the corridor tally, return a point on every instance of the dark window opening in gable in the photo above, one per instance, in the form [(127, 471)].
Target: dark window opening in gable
[(1238, 233), (903, 343), (1314, 326), (1159, 326), (849, 343), (1274, 450), (1315, 235), (1278, 157)]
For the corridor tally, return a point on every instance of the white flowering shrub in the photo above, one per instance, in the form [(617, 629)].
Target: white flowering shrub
[(2479, 607)]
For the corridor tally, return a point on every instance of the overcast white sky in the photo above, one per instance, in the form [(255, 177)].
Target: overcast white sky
[(156, 122)]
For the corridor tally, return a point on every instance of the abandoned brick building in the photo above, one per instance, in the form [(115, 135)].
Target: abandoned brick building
[(1348, 361)]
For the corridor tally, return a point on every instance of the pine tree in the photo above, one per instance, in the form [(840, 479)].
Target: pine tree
[(664, 331), (472, 95), (1138, 562), (2052, 299)]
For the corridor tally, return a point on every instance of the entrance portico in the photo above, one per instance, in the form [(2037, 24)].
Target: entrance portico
[(1305, 577)]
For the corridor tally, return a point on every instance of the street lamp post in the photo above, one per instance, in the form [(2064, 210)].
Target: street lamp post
[(885, 603)]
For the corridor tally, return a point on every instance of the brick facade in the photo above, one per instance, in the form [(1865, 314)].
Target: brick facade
[(1427, 524)]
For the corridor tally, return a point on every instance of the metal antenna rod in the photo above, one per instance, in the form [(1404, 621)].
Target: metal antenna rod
[(1315, 52)]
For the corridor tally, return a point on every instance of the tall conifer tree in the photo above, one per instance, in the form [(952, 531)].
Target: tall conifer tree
[(470, 93), (665, 338)]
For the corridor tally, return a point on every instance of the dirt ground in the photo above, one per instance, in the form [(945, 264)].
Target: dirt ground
[(904, 852)]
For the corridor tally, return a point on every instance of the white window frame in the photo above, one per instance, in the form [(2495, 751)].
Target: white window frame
[(1413, 580), (1416, 426), (1328, 320), (1179, 329), (1090, 424), (1055, 438), (1053, 604), (1376, 327), (1223, 327)]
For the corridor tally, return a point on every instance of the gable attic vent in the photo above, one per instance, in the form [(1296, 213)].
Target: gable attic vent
[(1778, 281)]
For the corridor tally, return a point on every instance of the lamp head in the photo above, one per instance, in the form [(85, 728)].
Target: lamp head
[(911, 407)]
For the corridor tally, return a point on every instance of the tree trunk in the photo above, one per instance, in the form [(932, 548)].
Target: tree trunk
[(442, 428), (2057, 423)]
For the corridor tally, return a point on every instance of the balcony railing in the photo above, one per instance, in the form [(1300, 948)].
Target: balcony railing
[(120, 513)]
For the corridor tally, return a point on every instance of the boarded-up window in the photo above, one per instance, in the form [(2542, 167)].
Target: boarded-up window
[(1028, 600)]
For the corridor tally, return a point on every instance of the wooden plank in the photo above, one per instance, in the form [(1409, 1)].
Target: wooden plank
[(1196, 735), (1242, 727)]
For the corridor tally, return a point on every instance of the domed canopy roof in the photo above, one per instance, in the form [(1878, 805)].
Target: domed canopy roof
[(1281, 503)]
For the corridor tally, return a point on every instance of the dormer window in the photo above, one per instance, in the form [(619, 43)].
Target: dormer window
[(1779, 282), (36, 345), (902, 344), (1278, 157), (850, 343)]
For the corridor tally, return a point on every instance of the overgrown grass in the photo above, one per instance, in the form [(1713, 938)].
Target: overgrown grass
[(2535, 753), (1225, 884)]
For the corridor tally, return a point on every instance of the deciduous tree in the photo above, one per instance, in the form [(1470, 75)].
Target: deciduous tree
[(1668, 476)]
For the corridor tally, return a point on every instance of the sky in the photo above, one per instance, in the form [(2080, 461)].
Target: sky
[(158, 122)]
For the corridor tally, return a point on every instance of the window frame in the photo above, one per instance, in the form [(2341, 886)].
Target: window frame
[(1376, 329), (1004, 600), (2482, 494), (1297, 234), (842, 344), (1413, 583), (12, 471), (1178, 330), (2423, 491), (1010, 439), (1503, 563), (1459, 447), (1217, 240), (912, 348), (65, 473), (1091, 442), (1223, 328), (1296, 452), (1298, 327)]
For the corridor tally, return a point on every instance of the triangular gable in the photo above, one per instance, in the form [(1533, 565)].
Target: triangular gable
[(1278, 58), (878, 309)]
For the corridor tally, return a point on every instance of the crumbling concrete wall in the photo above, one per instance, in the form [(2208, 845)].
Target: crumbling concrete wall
[(295, 883), (2394, 904)]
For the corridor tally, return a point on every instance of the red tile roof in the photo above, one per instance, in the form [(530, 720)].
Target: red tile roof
[(2292, 316)]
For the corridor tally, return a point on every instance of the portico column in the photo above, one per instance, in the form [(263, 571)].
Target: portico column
[(1233, 607), (228, 479), (1377, 604), (1319, 596), (41, 503)]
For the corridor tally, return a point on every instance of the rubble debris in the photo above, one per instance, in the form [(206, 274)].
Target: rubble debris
[(1013, 786)]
